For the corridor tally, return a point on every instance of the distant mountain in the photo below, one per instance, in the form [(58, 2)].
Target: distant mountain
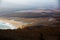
[(30, 14)]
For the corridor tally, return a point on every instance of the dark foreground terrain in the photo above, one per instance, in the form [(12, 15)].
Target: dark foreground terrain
[(49, 33)]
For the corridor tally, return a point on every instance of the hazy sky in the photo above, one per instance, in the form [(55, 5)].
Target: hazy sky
[(26, 4)]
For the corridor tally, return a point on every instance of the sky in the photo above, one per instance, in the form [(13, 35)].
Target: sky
[(28, 4)]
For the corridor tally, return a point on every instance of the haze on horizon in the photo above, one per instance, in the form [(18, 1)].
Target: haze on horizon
[(9, 5)]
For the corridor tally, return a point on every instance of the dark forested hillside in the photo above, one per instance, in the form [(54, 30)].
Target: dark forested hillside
[(50, 33)]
